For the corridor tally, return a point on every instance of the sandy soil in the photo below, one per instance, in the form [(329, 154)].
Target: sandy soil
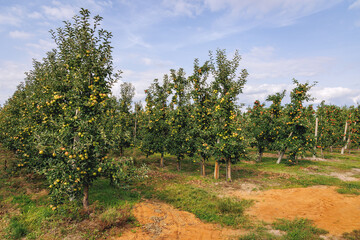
[(161, 221), (337, 213)]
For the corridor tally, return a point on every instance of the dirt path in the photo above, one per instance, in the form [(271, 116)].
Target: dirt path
[(337, 213), (161, 221)]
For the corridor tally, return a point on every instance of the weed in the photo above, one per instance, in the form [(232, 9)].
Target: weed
[(111, 196), (16, 229), (354, 235), (230, 206), (350, 188), (258, 236), (205, 205), (115, 216), (298, 229)]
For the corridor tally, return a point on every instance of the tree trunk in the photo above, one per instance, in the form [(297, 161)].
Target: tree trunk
[(331, 148), (85, 200), (179, 164), (216, 170), (135, 127), (202, 167), (228, 170), (343, 148), (162, 160), (316, 133), (259, 158), (281, 155), (348, 143), (121, 151), (322, 152)]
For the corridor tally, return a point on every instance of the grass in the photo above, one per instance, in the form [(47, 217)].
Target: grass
[(206, 206), (16, 229), (354, 235), (349, 188), (26, 214), (298, 229)]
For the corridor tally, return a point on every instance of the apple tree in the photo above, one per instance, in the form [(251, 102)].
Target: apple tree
[(227, 85)]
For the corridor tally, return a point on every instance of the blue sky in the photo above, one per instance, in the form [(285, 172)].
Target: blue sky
[(310, 40)]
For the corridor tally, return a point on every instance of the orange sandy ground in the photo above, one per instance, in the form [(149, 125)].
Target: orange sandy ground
[(334, 212), (161, 221)]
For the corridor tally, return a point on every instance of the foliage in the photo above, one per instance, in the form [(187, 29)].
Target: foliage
[(122, 119), (156, 128), (180, 141), (260, 127), (202, 116), (64, 109), (300, 121), (230, 144), (331, 126)]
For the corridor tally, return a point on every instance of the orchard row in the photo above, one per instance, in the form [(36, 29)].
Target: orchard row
[(63, 121)]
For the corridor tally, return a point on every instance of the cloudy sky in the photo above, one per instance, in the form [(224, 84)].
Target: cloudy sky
[(309, 40)]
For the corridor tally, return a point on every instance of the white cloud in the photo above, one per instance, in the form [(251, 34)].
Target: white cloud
[(262, 64), (11, 74), (336, 95), (189, 8), (332, 95), (140, 79), (356, 99), (59, 11), (39, 49), (156, 62), (355, 5), (42, 44), (136, 40), (233, 16), (8, 19), (252, 92), (283, 11), (35, 15), (20, 34)]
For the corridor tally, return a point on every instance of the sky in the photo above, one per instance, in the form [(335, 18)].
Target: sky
[(278, 40)]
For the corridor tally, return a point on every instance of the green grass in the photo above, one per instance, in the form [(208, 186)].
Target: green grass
[(259, 236), (298, 229), (349, 188), (16, 229), (110, 196), (206, 206)]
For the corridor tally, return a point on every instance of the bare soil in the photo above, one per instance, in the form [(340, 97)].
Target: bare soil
[(329, 210), (161, 221), (346, 176)]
